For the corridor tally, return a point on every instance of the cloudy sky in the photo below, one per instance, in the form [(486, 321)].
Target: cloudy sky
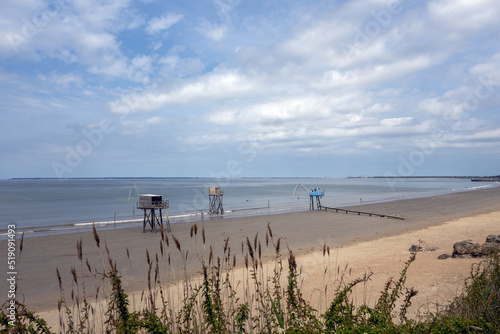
[(249, 88)]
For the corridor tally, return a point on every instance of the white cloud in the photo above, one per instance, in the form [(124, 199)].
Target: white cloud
[(143, 126), (81, 32), (309, 78), (213, 87), (307, 83), (141, 68), (392, 122), (464, 14), (366, 144), (164, 22), (223, 118), (377, 73), (99, 15), (213, 31), (174, 65), (64, 80), (442, 108), (377, 109), (201, 142), (225, 8)]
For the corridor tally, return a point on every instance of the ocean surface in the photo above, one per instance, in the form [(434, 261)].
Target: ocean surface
[(48, 206)]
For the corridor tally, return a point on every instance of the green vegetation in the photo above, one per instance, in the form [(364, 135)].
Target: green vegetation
[(263, 302)]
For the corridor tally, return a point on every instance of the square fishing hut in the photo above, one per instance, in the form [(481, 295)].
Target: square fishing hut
[(149, 203)]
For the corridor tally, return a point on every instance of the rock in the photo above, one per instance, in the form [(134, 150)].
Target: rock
[(465, 249), (490, 247), (414, 248), (443, 256), (493, 238), (468, 248)]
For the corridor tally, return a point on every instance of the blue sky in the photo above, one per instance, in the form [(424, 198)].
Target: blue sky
[(249, 88)]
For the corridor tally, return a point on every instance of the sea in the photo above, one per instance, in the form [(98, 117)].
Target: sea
[(53, 206)]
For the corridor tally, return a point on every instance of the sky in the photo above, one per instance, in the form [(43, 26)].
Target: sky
[(239, 88)]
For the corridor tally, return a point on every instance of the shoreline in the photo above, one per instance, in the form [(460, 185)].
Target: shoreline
[(42, 255), (195, 216)]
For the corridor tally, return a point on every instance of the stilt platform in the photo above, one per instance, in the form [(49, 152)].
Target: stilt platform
[(361, 213), (149, 203)]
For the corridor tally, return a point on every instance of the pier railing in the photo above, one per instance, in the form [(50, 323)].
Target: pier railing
[(361, 213)]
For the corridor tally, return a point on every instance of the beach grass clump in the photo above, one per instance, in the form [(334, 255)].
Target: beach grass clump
[(263, 296), (25, 321), (479, 303), (481, 295)]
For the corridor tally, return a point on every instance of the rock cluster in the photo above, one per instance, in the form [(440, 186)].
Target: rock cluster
[(468, 248)]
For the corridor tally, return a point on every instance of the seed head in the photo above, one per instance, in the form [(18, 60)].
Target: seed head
[(167, 241), (59, 278), (203, 233), (88, 264), (73, 272), (269, 229), (21, 244), (79, 249), (96, 236), (250, 249), (177, 243)]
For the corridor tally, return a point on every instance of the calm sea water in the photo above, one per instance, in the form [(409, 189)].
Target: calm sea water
[(47, 206)]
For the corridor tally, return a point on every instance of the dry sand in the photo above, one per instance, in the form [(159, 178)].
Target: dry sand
[(437, 281), (364, 243)]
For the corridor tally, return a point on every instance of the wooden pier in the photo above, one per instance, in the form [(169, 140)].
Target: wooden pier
[(361, 213)]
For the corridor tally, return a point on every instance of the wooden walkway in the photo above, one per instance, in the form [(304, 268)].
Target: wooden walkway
[(361, 213)]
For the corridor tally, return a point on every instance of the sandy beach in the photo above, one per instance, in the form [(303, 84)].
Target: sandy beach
[(360, 242)]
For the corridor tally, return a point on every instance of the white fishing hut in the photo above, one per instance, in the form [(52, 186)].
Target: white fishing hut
[(150, 203)]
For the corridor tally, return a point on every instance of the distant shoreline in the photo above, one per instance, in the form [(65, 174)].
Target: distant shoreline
[(249, 177)]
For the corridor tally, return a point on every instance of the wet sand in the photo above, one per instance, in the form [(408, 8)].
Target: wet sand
[(351, 237)]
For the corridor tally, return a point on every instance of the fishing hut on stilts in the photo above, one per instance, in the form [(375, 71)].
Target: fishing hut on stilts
[(315, 195), (215, 203), (150, 203)]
